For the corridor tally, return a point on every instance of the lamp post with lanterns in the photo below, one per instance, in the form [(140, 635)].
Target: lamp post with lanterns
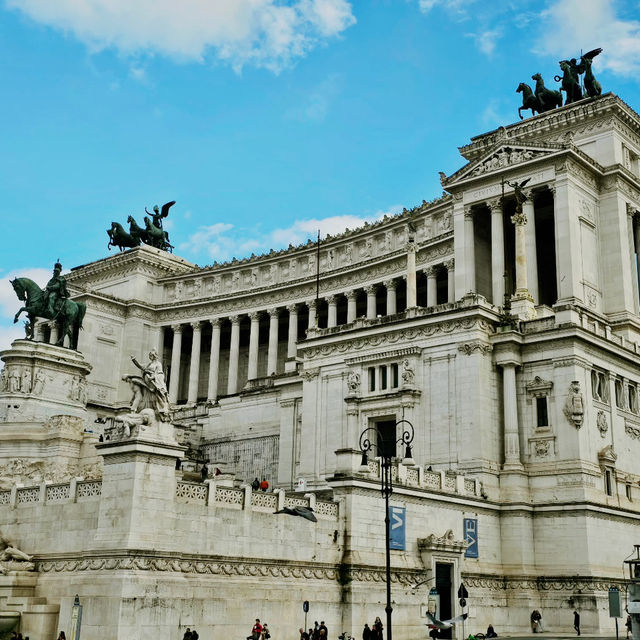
[(383, 450)]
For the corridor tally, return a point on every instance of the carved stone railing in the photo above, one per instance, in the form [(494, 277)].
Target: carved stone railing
[(49, 493), (410, 475), (212, 495)]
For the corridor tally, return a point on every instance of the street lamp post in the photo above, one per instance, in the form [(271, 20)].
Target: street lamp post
[(386, 487)]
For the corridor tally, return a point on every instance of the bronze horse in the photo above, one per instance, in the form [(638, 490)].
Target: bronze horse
[(69, 315)]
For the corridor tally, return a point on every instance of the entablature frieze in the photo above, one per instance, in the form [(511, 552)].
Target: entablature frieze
[(385, 355), (395, 335)]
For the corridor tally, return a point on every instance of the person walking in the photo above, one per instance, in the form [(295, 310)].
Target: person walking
[(187, 635), (323, 627), (316, 630), (377, 628), (265, 632), (366, 632), (576, 622), (256, 631), (628, 625), (303, 634), (194, 635), (61, 636)]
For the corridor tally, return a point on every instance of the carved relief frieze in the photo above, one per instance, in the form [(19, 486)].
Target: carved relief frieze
[(469, 348)]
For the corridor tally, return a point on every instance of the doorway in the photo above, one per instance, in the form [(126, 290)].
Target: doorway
[(387, 444), (444, 585)]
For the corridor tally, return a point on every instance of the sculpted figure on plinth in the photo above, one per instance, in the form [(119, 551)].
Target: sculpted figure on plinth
[(150, 400), (152, 233)]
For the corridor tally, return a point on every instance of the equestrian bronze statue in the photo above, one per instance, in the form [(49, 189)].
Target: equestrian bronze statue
[(53, 303), (151, 234)]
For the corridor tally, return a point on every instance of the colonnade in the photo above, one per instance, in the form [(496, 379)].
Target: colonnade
[(276, 315), (526, 257)]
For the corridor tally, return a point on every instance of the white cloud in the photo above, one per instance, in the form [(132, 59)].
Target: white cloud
[(222, 241), (263, 33), (569, 25), (9, 303), (486, 40), (456, 7), (317, 102)]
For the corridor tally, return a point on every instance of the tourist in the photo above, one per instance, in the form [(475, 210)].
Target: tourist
[(491, 632), (316, 630), (256, 631), (194, 635), (265, 632), (204, 472), (628, 625), (187, 635), (576, 622), (303, 634), (366, 632), (377, 629), (323, 627), (61, 636), (264, 485), (536, 621), (255, 485)]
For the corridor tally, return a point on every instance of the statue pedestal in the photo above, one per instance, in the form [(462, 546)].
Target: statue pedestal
[(137, 504), (522, 306), (41, 380)]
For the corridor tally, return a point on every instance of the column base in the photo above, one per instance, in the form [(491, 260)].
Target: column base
[(522, 305)]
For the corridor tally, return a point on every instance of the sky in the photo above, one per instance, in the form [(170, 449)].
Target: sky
[(264, 119)]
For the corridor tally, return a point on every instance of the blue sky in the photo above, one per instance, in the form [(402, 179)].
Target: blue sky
[(264, 119)]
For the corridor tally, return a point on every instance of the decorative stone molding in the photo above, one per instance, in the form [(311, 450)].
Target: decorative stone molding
[(446, 543), (574, 405), (538, 387), (602, 424), (469, 348), (632, 429), (607, 456)]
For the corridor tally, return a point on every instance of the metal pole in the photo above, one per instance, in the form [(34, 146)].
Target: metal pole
[(386, 489)]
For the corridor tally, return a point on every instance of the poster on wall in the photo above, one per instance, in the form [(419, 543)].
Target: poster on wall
[(397, 528), (470, 526)]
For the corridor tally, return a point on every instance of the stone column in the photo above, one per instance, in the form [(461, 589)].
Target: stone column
[(530, 248), (176, 351), (160, 343), (312, 304), (254, 339), (272, 358), (510, 408), (390, 286), (451, 280), (332, 311), (497, 252), (351, 306), (194, 366), (411, 275), (214, 362), (522, 303), (293, 331), (38, 331), (371, 301), (234, 352), (469, 251), (53, 336), (432, 289)]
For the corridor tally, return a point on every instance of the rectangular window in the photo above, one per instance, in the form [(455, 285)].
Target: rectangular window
[(628, 491), (607, 482), (394, 376), (633, 398), (543, 416), (372, 378), (383, 377), (387, 438), (619, 395)]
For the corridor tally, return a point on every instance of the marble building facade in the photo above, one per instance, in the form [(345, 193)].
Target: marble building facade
[(530, 426)]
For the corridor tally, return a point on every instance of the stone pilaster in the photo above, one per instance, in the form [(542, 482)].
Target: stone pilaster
[(332, 311), (371, 301), (292, 337), (497, 252), (351, 306), (432, 290), (390, 286), (254, 335), (176, 352), (469, 251), (194, 365), (214, 362), (411, 275), (451, 280), (234, 352), (272, 357)]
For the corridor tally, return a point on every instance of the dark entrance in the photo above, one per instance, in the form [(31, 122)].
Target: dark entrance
[(387, 430), (444, 585)]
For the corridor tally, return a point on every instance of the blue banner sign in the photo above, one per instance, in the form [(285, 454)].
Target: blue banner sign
[(397, 528), (471, 536)]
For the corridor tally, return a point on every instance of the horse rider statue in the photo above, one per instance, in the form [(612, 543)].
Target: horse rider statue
[(56, 291)]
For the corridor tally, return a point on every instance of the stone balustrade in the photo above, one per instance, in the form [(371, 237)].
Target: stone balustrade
[(47, 493), (244, 498), (409, 476)]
